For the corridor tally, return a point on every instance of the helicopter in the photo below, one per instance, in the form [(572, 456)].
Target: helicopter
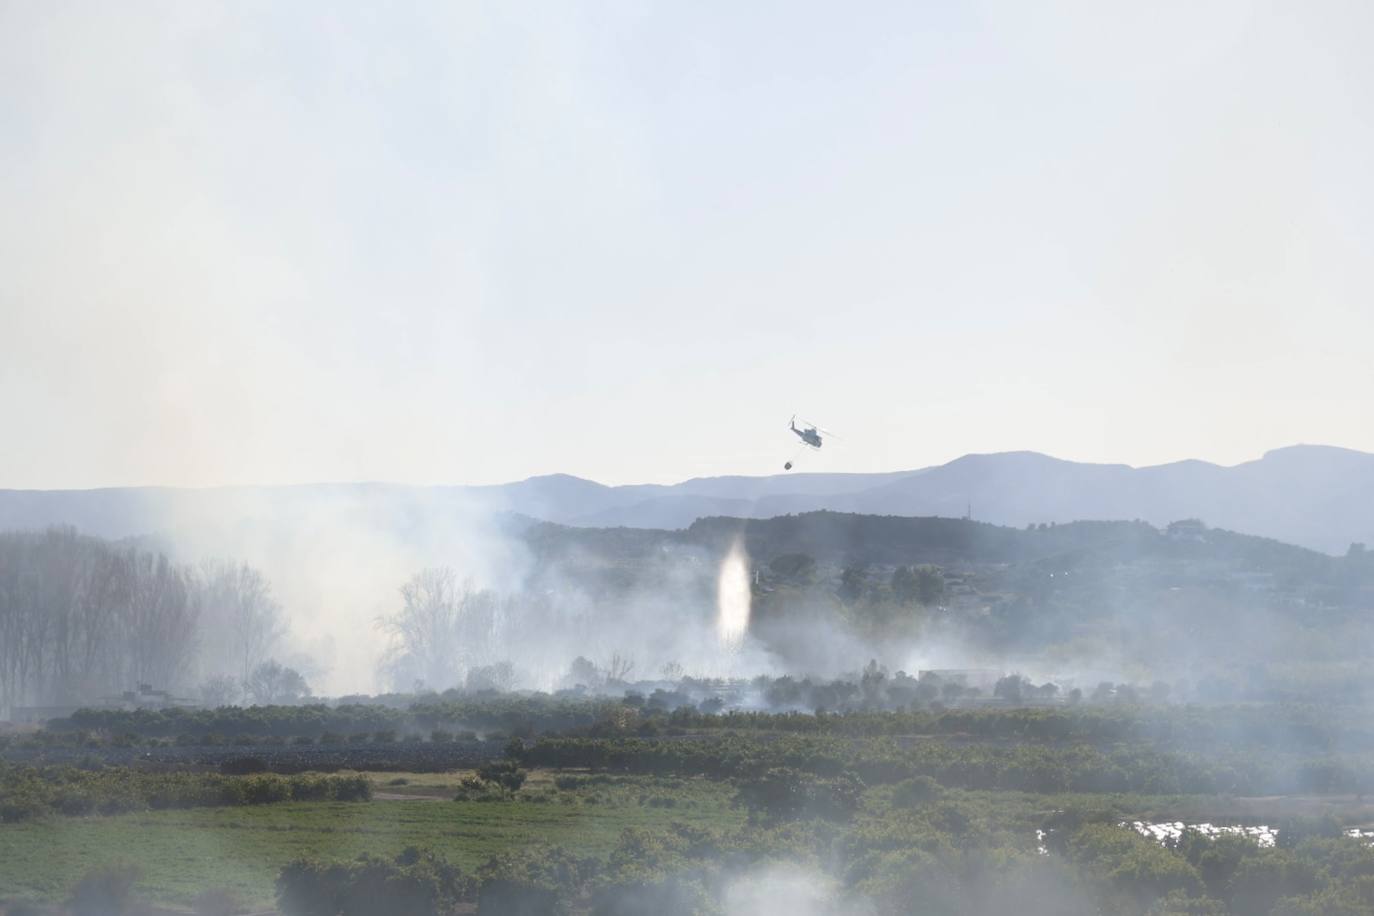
[(808, 433)]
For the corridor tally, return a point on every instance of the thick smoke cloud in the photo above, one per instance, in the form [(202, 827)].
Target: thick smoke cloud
[(337, 559)]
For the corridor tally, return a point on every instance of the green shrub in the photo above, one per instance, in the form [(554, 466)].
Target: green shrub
[(28, 792), (414, 883), (243, 766), (916, 791), (670, 895), (351, 788), (217, 902), (21, 806), (75, 803), (514, 897), (104, 891), (266, 789), (504, 773), (780, 793)]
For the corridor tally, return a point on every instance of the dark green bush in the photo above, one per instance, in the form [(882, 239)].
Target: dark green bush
[(668, 895), (242, 766), (504, 773), (780, 793), (104, 891), (21, 805), (218, 902), (514, 897), (29, 792), (917, 790), (414, 883)]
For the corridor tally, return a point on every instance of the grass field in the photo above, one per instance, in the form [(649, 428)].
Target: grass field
[(184, 852), (181, 853)]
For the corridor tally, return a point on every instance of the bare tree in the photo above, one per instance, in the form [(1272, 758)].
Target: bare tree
[(619, 667), (500, 676), (81, 618), (161, 630), (238, 603), (424, 631), (221, 690), (442, 627)]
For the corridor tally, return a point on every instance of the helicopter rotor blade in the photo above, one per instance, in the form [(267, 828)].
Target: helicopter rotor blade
[(821, 429)]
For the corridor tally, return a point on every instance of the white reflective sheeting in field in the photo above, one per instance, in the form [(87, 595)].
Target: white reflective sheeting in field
[(1164, 832)]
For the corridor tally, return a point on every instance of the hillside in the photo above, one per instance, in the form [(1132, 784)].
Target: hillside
[(1315, 496), (843, 539)]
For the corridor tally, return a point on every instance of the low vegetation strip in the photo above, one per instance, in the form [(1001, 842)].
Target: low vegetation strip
[(1134, 767), (422, 715), (284, 758), (32, 792), (872, 706), (181, 853)]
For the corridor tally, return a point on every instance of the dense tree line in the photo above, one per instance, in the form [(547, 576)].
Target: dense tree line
[(80, 617), (509, 713), (1044, 768), (29, 792), (845, 539), (1224, 616), (83, 618), (1276, 728)]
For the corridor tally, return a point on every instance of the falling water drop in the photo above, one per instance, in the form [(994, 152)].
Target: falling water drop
[(733, 598)]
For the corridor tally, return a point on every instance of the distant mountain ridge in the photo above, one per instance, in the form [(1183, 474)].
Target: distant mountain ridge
[(1320, 497)]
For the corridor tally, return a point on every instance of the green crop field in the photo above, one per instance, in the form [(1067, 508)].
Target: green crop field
[(872, 807), (242, 849)]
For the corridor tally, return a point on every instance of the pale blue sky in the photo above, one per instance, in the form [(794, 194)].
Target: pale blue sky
[(267, 243)]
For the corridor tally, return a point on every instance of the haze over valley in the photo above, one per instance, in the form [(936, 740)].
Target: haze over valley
[(674, 459), (1315, 496), (576, 569)]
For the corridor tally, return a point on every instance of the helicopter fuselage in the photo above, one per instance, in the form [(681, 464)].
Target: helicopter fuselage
[(810, 436)]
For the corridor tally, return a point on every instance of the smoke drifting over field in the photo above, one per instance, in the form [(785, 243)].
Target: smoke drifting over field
[(335, 559), (338, 561), (785, 890), (385, 589)]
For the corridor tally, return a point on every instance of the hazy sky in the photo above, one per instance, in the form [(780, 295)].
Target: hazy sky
[(280, 242)]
